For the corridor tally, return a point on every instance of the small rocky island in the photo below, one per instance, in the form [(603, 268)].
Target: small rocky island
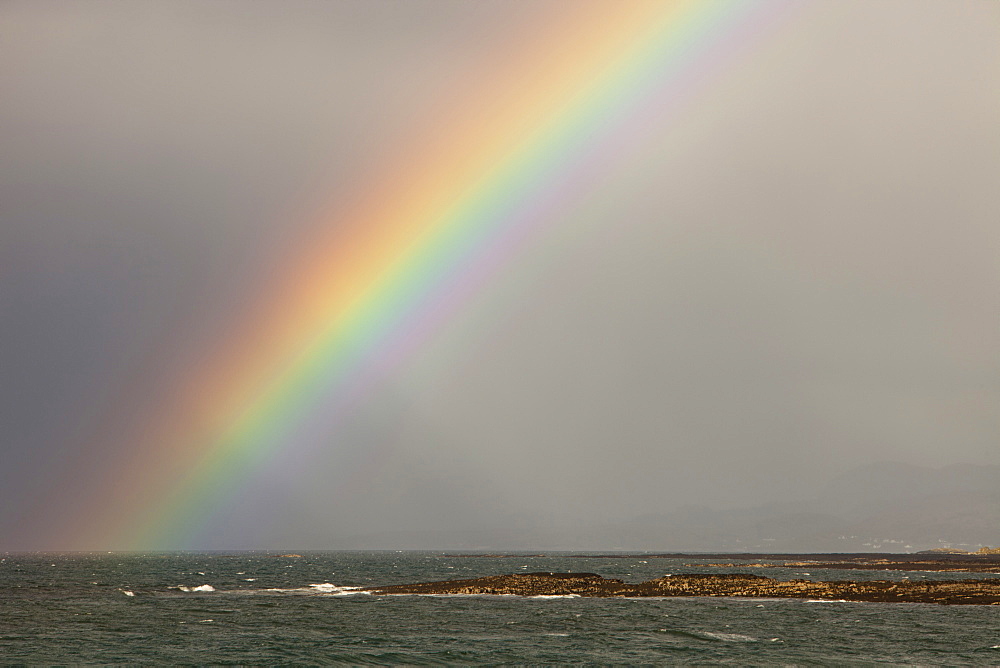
[(979, 592)]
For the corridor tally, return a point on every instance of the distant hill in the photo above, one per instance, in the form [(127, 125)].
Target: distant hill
[(881, 507), (867, 490)]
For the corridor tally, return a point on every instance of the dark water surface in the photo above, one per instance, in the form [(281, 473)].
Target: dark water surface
[(263, 608)]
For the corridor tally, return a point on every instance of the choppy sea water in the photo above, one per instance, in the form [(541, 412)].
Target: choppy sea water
[(261, 608)]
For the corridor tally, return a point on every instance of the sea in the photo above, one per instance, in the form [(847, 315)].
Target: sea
[(267, 608)]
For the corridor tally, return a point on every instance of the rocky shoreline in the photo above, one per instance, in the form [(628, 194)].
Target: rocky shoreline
[(948, 592)]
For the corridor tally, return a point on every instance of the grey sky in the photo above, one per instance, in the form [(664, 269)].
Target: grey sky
[(800, 277)]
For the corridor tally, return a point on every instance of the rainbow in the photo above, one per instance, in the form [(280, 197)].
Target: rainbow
[(508, 156)]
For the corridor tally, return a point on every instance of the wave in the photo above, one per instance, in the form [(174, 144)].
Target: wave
[(714, 636), (335, 590), (726, 637), (323, 588), (204, 587)]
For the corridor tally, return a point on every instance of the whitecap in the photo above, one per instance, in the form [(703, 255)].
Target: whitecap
[(827, 600), (324, 588), (127, 592), (556, 596), (204, 587), (329, 588), (728, 637)]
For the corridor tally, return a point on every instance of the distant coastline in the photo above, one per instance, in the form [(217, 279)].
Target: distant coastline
[(951, 561)]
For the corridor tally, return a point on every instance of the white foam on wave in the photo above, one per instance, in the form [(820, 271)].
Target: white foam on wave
[(204, 587), (727, 637), (336, 590), (827, 600), (323, 588), (127, 592), (556, 596)]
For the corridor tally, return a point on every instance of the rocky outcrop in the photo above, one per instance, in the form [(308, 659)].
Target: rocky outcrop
[(519, 584), (984, 592)]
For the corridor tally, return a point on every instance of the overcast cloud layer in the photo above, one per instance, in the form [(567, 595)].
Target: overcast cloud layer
[(801, 277)]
